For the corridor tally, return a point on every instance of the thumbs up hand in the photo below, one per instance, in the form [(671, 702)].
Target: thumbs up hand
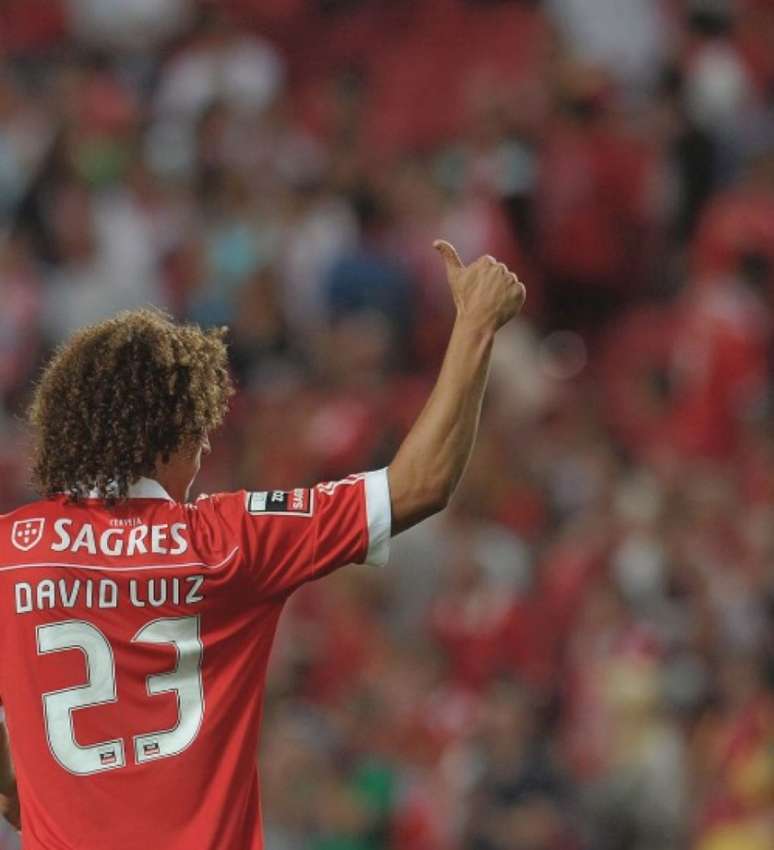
[(485, 292)]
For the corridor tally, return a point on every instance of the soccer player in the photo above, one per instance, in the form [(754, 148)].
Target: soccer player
[(135, 627)]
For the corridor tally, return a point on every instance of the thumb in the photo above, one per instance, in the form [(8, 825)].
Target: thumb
[(450, 257)]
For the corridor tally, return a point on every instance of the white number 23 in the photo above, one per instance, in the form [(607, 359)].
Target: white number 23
[(185, 681)]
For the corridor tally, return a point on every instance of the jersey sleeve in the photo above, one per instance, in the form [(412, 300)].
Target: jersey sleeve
[(288, 538)]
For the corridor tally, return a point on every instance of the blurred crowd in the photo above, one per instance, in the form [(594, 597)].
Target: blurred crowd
[(579, 654)]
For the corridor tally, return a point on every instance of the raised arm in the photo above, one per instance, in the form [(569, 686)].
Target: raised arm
[(9, 800), (432, 458)]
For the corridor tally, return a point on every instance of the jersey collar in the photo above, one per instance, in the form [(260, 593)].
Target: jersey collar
[(143, 488), (147, 488)]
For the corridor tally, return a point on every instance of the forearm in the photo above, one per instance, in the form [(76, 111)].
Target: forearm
[(432, 458)]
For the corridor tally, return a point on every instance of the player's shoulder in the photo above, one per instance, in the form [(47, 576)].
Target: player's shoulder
[(212, 503), (213, 514)]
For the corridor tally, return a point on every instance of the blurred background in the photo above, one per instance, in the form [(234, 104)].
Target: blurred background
[(579, 654)]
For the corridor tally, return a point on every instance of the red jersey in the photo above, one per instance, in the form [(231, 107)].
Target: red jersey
[(134, 641)]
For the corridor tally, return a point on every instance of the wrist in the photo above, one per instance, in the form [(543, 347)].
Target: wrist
[(475, 326)]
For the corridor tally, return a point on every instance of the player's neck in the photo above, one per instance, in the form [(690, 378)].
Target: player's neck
[(176, 476), (177, 491)]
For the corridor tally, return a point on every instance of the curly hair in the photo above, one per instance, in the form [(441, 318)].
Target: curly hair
[(121, 395)]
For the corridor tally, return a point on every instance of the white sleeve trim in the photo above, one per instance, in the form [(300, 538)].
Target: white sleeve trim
[(379, 515)]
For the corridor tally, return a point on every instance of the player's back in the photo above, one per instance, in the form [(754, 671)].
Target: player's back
[(135, 640), (134, 647)]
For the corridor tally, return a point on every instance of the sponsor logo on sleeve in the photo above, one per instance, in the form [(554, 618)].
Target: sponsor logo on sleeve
[(296, 502), (27, 533)]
